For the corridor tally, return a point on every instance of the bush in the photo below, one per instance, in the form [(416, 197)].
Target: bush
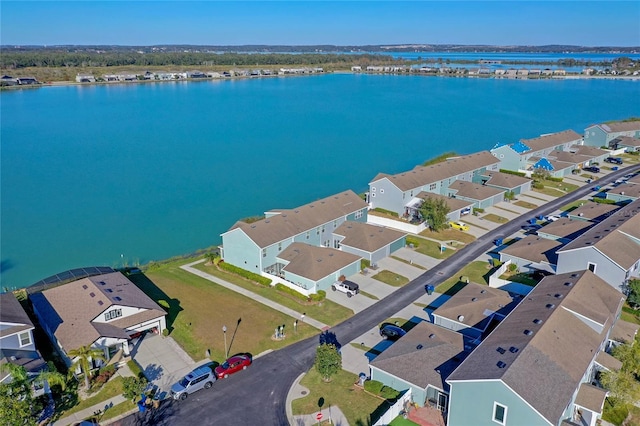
[(495, 263), (389, 393), (245, 274), (412, 241), (319, 296), (133, 386), (283, 288), (165, 332), (511, 172), (603, 200), (555, 179), (103, 376), (478, 210), (513, 267), (164, 304), (135, 368), (537, 185), (364, 263), (373, 386)]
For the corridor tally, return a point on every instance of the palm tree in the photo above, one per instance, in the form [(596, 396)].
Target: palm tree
[(84, 354), (53, 378), (19, 376)]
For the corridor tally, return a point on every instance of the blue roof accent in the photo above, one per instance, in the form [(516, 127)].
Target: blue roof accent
[(520, 148), (543, 163)]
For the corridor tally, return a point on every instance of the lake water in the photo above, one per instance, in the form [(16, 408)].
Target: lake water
[(113, 174)]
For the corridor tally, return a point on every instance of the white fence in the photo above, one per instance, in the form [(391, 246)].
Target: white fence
[(395, 410), (506, 285), (396, 224), (275, 280)]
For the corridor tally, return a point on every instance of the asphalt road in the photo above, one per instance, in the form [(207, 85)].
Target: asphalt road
[(257, 396)]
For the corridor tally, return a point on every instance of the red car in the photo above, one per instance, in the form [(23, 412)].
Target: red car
[(232, 365)]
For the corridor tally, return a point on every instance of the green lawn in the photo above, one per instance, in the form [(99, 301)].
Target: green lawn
[(329, 312), (356, 404), (573, 205), (521, 278), (391, 278), (198, 309), (449, 235), (112, 388), (116, 410), (618, 413), (495, 218), (429, 248), (525, 205), (477, 272), (549, 191), (630, 315), (401, 421)]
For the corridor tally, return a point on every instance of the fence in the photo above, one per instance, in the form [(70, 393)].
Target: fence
[(397, 224), (506, 285), (395, 410)]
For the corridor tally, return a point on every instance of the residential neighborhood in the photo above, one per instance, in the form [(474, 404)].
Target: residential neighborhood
[(517, 298)]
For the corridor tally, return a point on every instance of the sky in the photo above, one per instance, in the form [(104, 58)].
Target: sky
[(146, 22)]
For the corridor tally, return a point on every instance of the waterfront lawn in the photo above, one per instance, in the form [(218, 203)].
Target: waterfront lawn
[(391, 278), (356, 404), (429, 248), (199, 308), (329, 312), (477, 272), (449, 235), (495, 218), (525, 204)]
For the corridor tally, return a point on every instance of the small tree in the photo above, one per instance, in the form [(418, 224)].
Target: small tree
[(434, 211), (133, 386), (84, 355), (634, 294), (509, 195), (328, 361), (540, 174)]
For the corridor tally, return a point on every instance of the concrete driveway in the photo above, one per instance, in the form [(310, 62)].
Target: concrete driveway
[(163, 361)]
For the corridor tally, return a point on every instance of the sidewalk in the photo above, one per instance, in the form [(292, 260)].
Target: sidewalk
[(299, 391), (278, 307)]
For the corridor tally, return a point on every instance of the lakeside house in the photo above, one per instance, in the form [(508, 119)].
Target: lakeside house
[(103, 311), (85, 78), (257, 246), (610, 249), (566, 321), (604, 134)]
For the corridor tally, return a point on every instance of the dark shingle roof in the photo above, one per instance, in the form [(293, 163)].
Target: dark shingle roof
[(11, 312)]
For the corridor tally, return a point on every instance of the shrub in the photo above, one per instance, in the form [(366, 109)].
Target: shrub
[(165, 332), (364, 263), (389, 393), (511, 172), (412, 241), (603, 200), (478, 210), (319, 296), (495, 262), (555, 179), (164, 304), (373, 386), (283, 288), (513, 267), (245, 274), (133, 386), (103, 376), (135, 368), (537, 185)]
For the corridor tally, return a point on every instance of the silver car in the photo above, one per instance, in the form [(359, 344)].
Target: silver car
[(201, 377)]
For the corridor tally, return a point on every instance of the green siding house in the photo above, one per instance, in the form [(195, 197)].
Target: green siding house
[(602, 134)]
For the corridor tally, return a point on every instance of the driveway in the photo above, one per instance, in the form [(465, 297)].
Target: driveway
[(162, 360)]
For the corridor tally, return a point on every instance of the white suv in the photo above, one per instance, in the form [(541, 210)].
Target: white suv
[(348, 287)]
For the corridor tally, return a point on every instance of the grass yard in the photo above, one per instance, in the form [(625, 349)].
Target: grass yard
[(401, 421), (525, 205), (618, 413), (630, 315), (573, 205), (198, 309), (342, 392), (495, 218), (329, 312), (112, 388), (391, 278), (116, 410), (547, 190), (369, 295), (429, 248), (477, 272), (448, 235), (521, 278)]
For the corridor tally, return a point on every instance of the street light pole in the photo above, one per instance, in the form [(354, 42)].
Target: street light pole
[(224, 331)]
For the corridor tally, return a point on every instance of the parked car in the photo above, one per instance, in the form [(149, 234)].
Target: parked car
[(461, 226), (232, 365), (348, 287), (200, 378), (613, 160), (592, 169), (551, 218), (391, 332), (596, 188), (531, 229)]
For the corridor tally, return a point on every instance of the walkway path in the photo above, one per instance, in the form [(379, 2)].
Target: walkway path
[(333, 412), (278, 307)]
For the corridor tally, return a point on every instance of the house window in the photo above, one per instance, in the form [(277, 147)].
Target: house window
[(279, 246), (432, 186), (411, 193), (264, 252), (358, 214), (318, 231), (382, 190), (373, 189), (307, 235), (335, 223), (592, 267), (25, 338), (113, 314), (499, 413)]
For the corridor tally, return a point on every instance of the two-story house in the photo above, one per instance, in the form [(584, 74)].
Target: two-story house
[(538, 366), (603, 134)]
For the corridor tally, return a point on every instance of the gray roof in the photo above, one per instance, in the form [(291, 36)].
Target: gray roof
[(590, 151), (12, 315), (534, 248), (626, 141), (624, 332), (314, 262), (565, 228), (635, 179), (367, 237), (551, 140), (591, 397), (288, 223), (617, 237), (423, 175), (475, 304), (626, 189), (454, 204), (425, 356), (569, 157), (621, 126), (474, 191), (608, 361), (505, 180), (544, 347), (594, 211), (70, 309)]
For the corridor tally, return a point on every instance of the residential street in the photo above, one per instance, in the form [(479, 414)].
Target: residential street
[(259, 394)]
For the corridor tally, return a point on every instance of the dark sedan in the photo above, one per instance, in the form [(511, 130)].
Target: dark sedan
[(391, 332)]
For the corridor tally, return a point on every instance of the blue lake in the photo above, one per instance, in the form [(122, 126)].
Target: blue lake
[(113, 174)]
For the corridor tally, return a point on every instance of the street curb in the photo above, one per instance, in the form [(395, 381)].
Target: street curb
[(290, 398)]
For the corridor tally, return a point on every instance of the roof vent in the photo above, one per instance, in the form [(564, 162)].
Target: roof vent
[(558, 296), (419, 347), (473, 299), (84, 286), (537, 321), (109, 290), (568, 283), (100, 302), (117, 298), (483, 291), (266, 221), (501, 350), (513, 349), (431, 336), (550, 306), (528, 332), (501, 364), (574, 275), (92, 294), (102, 283), (460, 318)]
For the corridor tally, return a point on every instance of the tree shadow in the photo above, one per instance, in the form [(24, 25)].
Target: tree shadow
[(153, 372), (172, 306)]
